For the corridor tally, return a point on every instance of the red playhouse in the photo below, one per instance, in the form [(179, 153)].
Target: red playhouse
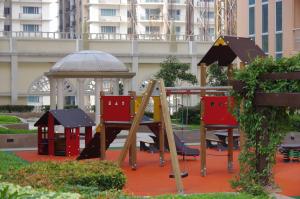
[(67, 143)]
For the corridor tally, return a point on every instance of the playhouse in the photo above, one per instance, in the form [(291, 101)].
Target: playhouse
[(66, 142)]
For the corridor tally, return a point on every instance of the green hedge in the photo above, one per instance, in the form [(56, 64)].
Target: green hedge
[(11, 191), (46, 108), (193, 113), (16, 131), (86, 177), (15, 108)]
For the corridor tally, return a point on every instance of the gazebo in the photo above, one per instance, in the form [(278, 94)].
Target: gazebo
[(84, 65)]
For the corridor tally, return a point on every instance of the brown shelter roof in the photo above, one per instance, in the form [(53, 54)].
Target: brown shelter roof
[(69, 118), (227, 48)]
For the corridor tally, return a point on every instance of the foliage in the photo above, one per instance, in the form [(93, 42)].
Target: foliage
[(212, 196), (15, 108), (10, 162), (188, 115), (7, 119), (46, 108), (11, 191), (16, 131), (264, 127), (172, 71), (86, 177), (217, 75)]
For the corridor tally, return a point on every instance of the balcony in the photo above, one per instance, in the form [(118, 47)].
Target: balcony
[(108, 2), (110, 18), (24, 16), (32, 1), (152, 2), (151, 17), (177, 2)]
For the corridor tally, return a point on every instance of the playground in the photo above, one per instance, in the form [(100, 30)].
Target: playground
[(247, 147), (151, 179)]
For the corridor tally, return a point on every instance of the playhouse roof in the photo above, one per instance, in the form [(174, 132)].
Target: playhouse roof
[(69, 118), (227, 48)]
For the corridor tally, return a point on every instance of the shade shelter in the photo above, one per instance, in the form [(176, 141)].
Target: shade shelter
[(66, 143), (224, 51), (84, 65)]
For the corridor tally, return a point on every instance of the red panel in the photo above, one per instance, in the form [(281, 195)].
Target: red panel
[(116, 108), (216, 110), (88, 135), (51, 134)]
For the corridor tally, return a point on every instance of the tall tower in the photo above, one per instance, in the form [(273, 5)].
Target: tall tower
[(225, 17)]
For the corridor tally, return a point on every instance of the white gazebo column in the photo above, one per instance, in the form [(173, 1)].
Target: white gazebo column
[(80, 94), (98, 89), (116, 86), (60, 93), (126, 86), (52, 93)]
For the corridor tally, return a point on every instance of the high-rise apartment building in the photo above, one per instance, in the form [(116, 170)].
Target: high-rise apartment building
[(273, 24), (183, 17), (29, 15)]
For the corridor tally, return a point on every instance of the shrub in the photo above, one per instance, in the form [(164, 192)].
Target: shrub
[(15, 108), (8, 190), (16, 131), (193, 113), (81, 176)]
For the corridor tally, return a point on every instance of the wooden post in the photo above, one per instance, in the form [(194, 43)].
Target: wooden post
[(102, 130), (136, 121), (133, 147), (67, 141), (76, 150), (242, 133), (202, 125), (170, 136), (230, 150), (161, 142), (88, 135), (51, 134)]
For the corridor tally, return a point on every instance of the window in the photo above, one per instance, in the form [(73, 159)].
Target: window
[(31, 10), (251, 2), (251, 21), (265, 18), (108, 12), (174, 14), (177, 30), (279, 16), (6, 27), (6, 11), (30, 28), (278, 31), (211, 15), (265, 43), (108, 29), (152, 14), (33, 99), (152, 29)]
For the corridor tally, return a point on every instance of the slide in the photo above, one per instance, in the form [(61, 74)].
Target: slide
[(92, 150)]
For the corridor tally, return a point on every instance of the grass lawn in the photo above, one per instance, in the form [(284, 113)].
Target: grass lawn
[(7, 119), (16, 131), (9, 161)]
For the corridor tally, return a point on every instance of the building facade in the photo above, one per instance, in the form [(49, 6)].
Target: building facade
[(151, 17), (273, 24), (29, 15)]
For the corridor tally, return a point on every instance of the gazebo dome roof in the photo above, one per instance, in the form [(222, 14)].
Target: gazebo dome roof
[(89, 61)]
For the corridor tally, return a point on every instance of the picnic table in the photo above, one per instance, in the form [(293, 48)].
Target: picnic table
[(223, 135)]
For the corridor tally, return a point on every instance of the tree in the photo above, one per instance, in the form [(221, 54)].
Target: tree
[(217, 75), (172, 71)]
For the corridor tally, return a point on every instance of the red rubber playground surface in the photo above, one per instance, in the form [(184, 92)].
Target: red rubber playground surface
[(151, 179)]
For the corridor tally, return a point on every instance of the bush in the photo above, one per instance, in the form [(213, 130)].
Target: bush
[(16, 131), (79, 176), (46, 108), (8, 190), (16, 108), (193, 113)]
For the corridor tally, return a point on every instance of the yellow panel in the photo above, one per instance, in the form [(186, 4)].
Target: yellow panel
[(138, 102), (220, 42), (157, 108)]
